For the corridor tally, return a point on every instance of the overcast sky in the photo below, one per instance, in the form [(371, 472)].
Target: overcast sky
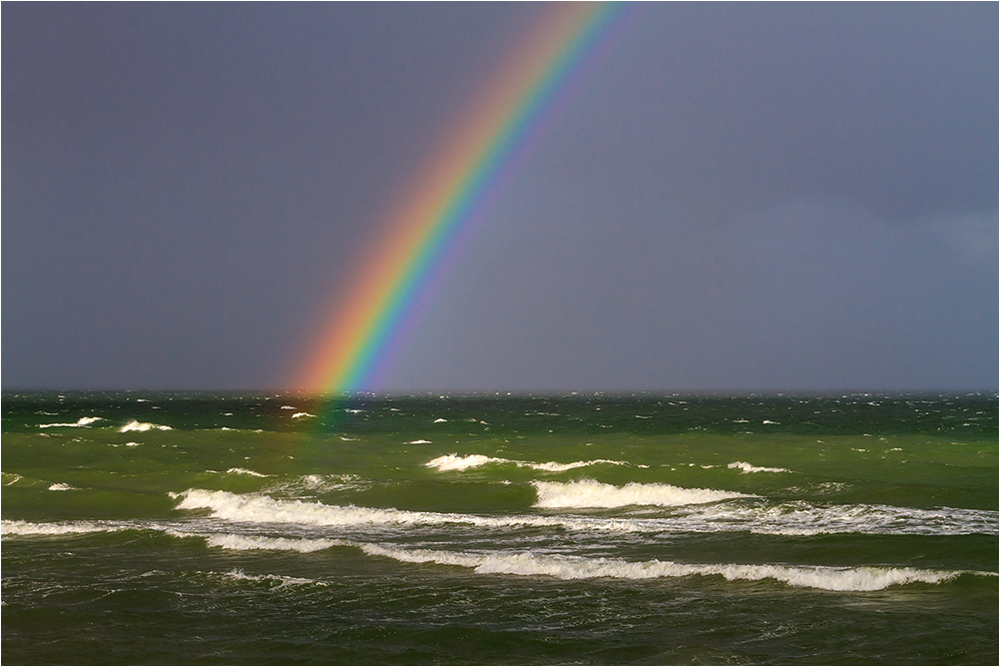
[(740, 197)]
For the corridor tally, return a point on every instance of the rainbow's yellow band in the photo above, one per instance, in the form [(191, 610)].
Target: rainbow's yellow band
[(447, 192)]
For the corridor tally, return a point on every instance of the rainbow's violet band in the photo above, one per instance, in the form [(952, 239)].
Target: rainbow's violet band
[(449, 193)]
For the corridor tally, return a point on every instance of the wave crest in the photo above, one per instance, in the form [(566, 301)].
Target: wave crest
[(748, 468), (449, 462), (136, 425), (576, 567), (590, 493)]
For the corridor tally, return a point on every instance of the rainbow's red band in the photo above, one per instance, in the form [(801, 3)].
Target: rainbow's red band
[(447, 193)]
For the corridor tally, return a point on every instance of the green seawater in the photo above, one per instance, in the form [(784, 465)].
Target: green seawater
[(198, 528)]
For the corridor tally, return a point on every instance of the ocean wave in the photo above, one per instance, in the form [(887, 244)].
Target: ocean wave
[(863, 578), (450, 462), (688, 511), (82, 421), (136, 425), (747, 468), (245, 471), (280, 580), (62, 486), (802, 518), (320, 484), (454, 462), (256, 508), (590, 493), (17, 527), (577, 567), (236, 542)]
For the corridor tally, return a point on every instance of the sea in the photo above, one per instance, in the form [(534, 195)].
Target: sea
[(585, 528)]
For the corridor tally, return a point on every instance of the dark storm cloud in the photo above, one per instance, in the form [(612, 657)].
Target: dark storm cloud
[(741, 196)]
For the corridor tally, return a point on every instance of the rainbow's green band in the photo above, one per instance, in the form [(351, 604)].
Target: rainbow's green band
[(362, 331)]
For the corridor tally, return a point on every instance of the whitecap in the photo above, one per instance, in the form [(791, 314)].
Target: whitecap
[(17, 527), (61, 486), (748, 468), (236, 542), (257, 508), (591, 493), (82, 421), (320, 484), (455, 462), (245, 471), (136, 425), (576, 567), (300, 415), (281, 580), (747, 514)]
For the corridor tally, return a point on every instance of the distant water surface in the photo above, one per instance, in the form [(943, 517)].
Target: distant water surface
[(177, 528)]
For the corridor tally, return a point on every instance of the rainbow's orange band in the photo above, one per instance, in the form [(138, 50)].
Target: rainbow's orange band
[(444, 196)]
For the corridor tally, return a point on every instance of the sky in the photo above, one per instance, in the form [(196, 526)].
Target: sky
[(736, 197)]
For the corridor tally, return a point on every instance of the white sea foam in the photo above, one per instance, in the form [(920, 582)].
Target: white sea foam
[(61, 486), (281, 580), (590, 493), (16, 527), (320, 484), (575, 567), (300, 415), (264, 509), (747, 468), (82, 421), (802, 518), (746, 514), (10, 478), (135, 425), (419, 442), (235, 542), (455, 462), (244, 471), (449, 462)]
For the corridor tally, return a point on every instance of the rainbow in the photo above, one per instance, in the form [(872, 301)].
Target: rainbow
[(459, 182)]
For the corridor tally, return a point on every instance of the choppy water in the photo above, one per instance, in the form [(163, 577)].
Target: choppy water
[(199, 528)]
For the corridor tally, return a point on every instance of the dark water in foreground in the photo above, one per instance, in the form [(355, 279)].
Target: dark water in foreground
[(220, 529)]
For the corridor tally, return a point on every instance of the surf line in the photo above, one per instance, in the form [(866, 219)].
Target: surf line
[(452, 189)]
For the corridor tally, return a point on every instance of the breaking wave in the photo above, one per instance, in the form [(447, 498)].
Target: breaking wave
[(245, 471), (565, 567), (577, 567), (237, 542), (685, 511), (747, 468), (455, 462), (82, 421), (264, 509), (590, 493), (136, 425), (15, 527)]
